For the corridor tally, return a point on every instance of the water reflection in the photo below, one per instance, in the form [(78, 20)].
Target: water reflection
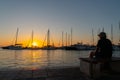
[(34, 59)]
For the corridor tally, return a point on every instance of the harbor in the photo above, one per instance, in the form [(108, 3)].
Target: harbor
[(59, 40)]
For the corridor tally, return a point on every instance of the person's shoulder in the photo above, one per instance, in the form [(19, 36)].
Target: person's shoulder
[(108, 40), (99, 40)]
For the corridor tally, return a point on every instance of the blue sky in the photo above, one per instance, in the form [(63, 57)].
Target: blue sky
[(58, 16)]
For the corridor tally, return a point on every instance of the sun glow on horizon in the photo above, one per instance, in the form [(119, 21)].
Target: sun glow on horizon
[(34, 44)]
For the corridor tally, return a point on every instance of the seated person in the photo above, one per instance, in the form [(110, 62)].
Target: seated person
[(103, 50)]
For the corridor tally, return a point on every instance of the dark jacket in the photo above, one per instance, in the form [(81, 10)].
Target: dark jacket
[(104, 48)]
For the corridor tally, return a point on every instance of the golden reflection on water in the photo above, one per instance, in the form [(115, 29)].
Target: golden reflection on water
[(34, 59)]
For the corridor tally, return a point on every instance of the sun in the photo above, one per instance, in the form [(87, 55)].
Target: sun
[(34, 44)]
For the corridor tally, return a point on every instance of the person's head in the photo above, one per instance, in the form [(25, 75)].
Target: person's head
[(102, 35)]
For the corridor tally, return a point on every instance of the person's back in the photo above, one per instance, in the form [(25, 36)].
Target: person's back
[(105, 48)]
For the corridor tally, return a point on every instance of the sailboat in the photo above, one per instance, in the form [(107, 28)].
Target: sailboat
[(48, 46), (16, 46), (80, 46)]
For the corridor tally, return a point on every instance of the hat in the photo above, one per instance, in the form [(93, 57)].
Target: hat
[(102, 34)]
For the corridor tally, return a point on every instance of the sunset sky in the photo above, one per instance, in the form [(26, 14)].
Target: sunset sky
[(58, 16)]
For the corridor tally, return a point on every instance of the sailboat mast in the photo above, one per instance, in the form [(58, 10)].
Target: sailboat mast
[(92, 36), (119, 32), (98, 33), (32, 39), (71, 36), (62, 39), (16, 36), (66, 38), (98, 30), (48, 38), (112, 33), (103, 29)]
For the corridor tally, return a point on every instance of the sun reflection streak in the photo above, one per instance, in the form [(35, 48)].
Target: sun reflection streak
[(32, 59)]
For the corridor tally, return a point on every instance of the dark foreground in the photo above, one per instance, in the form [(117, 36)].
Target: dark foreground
[(52, 74)]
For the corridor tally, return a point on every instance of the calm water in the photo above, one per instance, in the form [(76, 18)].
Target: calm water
[(28, 59)]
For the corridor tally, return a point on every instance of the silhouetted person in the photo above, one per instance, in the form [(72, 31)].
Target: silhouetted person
[(103, 50)]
